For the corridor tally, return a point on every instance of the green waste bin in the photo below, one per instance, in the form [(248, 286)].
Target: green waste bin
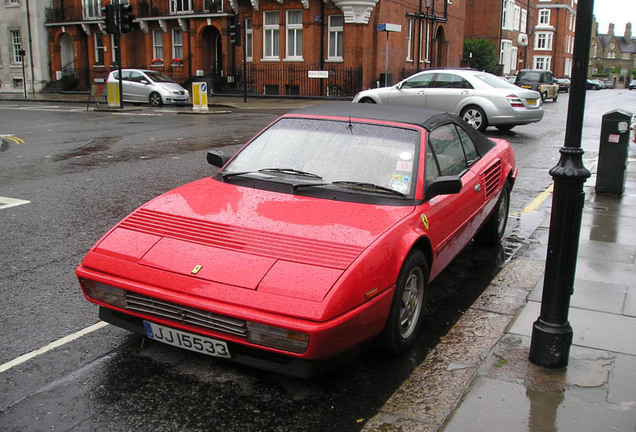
[(613, 152)]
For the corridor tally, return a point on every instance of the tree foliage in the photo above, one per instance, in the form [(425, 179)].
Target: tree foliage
[(484, 55)]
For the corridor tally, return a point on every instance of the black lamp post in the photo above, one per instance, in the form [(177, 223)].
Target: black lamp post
[(552, 333)]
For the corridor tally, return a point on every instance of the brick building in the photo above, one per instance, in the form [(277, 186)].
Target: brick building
[(613, 57), (284, 42)]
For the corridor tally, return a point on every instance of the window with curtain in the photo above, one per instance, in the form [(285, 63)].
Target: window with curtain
[(271, 35), (335, 30), (294, 34)]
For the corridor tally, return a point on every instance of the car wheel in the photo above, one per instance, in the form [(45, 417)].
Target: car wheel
[(367, 100), (408, 306), (543, 97), (155, 99), (493, 231), (505, 128), (475, 117), (556, 96)]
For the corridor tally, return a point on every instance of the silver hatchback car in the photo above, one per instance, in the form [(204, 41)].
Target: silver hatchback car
[(479, 98), (147, 86)]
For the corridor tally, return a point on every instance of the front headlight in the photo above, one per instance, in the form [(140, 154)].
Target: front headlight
[(104, 293), (276, 337)]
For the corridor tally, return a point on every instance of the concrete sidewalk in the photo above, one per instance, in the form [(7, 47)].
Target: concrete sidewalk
[(479, 378)]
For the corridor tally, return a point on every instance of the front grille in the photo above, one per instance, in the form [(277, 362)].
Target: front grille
[(185, 315)]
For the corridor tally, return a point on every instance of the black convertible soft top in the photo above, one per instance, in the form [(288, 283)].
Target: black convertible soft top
[(428, 119)]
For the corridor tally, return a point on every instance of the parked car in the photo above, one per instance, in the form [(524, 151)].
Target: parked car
[(147, 86), (564, 84), (322, 233), (593, 84), (632, 85), (539, 80), (608, 84), (479, 98)]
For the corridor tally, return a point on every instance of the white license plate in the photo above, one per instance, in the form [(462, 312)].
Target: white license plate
[(531, 101), (189, 341)]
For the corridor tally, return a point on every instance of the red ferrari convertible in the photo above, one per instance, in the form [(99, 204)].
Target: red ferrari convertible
[(321, 233)]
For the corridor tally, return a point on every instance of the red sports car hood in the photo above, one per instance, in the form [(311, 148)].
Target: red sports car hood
[(274, 243)]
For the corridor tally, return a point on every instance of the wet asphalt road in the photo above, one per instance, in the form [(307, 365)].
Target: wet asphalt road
[(83, 171)]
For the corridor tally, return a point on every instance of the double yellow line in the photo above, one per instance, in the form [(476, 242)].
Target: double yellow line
[(15, 139)]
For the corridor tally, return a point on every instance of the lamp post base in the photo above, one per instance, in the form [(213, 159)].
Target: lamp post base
[(550, 344)]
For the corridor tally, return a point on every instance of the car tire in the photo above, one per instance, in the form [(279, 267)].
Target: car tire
[(408, 306), (556, 96), (493, 231), (367, 100), (475, 117), (543, 97), (155, 99)]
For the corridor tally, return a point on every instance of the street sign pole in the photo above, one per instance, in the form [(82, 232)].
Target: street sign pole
[(551, 333), (387, 27)]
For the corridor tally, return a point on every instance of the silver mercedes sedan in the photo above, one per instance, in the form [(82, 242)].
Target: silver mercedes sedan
[(481, 99)]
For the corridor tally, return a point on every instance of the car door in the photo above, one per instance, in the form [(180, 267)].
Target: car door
[(413, 91), (447, 92), (454, 219), (137, 86)]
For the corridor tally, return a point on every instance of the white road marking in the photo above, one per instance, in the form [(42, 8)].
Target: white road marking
[(11, 202), (58, 343)]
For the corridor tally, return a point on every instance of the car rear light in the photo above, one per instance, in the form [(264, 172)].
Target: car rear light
[(104, 293), (276, 337), (515, 101)]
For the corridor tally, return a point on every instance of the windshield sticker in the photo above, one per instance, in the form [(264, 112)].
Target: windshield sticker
[(400, 187), (406, 156), (404, 166)]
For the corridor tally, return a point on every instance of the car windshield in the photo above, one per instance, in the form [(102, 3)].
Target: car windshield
[(158, 77), (494, 81), (324, 153), (529, 76)]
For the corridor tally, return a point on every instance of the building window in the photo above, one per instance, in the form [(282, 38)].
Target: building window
[(611, 54), (523, 25), (16, 46), (249, 39), (13, 3), (516, 23), (92, 9), (177, 44), (505, 56), (213, 6), (409, 39), (271, 35), (508, 15), (542, 62), (335, 30), (514, 56), (294, 34), (157, 45), (180, 6), (99, 49), (543, 41), (544, 17), (625, 56)]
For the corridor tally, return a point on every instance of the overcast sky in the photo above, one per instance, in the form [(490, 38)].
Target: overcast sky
[(619, 12)]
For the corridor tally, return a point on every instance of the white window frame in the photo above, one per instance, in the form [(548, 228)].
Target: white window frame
[(517, 19), (294, 36), (335, 40), (543, 41), (542, 62), (514, 56), (177, 43), (523, 25), (409, 39), (92, 9), (180, 7), (15, 39), (508, 15), (99, 48), (271, 35), (544, 17), (157, 44), (13, 3), (505, 55), (249, 40)]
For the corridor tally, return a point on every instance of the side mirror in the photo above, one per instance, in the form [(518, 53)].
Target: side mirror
[(216, 158), (143, 81), (445, 185)]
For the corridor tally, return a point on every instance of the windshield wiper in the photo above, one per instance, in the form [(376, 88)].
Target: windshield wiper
[(367, 186), (291, 171)]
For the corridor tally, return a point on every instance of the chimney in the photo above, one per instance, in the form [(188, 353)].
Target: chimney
[(628, 31), (611, 29)]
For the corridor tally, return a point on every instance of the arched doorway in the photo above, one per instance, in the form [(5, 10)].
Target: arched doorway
[(67, 56), (211, 51), (440, 48)]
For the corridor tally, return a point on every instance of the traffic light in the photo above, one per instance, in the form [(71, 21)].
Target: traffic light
[(125, 18), (235, 33), (109, 13)]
